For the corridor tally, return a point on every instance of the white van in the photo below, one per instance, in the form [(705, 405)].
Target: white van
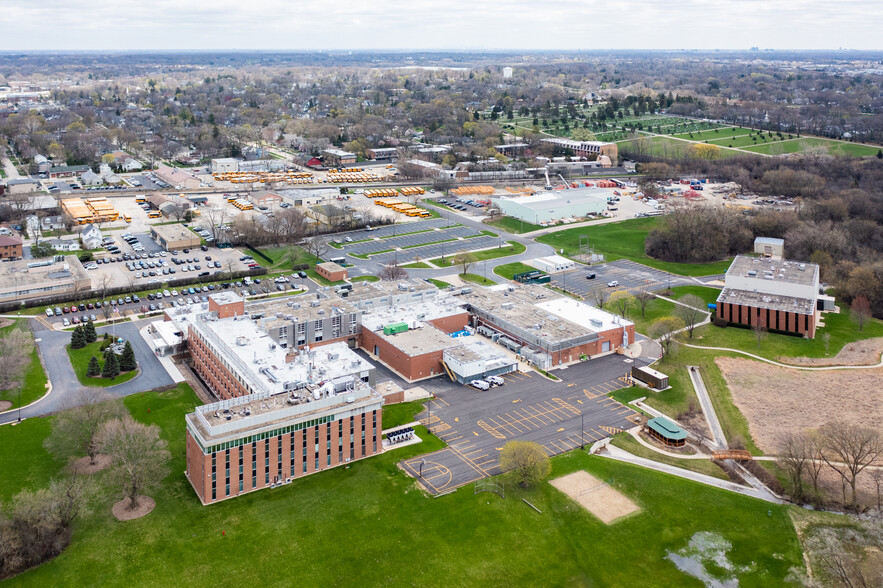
[(480, 384)]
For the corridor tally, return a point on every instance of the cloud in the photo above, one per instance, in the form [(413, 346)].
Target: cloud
[(453, 24)]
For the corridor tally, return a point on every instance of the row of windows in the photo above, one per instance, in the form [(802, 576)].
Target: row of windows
[(264, 435)]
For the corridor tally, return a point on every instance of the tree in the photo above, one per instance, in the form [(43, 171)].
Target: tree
[(860, 311), (528, 460), (795, 454), (760, 333), (316, 246), (74, 430), (642, 298), (392, 272), (78, 338), (111, 365), (582, 135), (620, 301), (598, 297), (15, 355), (464, 259), (139, 455), (93, 370), (664, 331), (127, 359), (89, 332), (841, 552), (690, 311), (849, 449)]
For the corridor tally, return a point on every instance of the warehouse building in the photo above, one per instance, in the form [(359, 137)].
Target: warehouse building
[(588, 149), (27, 279), (769, 247), (383, 153), (772, 294), (172, 237), (546, 207), (337, 157)]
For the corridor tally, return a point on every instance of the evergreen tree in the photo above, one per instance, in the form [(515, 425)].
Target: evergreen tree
[(127, 359), (78, 338), (111, 366), (94, 370), (89, 332)]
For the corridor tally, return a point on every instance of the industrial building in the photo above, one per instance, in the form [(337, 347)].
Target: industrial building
[(769, 247), (587, 149), (383, 153), (776, 295), (171, 237), (546, 331), (546, 207), (176, 178), (26, 279), (337, 157)]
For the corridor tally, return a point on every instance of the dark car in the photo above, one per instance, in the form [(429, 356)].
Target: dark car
[(590, 277), (204, 248), (82, 306)]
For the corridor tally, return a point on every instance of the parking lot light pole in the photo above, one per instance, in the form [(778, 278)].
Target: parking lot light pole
[(582, 431)]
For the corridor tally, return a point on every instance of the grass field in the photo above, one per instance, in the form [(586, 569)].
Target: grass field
[(393, 533), (34, 381), (625, 240), (512, 248), (365, 279), (513, 225), (80, 362), (802, 144), (417, 265), (285, 256), (508, 270), (476, 279), (709, 295), (441, 285), (746, 141), (713, 134)]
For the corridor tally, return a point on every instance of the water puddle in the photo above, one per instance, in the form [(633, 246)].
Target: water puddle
[(705, 558)]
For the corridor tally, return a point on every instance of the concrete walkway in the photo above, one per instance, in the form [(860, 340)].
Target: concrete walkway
[(714, 426), (793, 367), (618, 454)]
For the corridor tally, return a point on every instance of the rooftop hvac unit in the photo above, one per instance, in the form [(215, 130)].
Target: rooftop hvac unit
[(315, 303), (241, 341), (278, 315), (595, 323), (321, 311)]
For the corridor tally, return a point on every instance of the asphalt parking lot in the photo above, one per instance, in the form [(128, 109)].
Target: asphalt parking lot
[(631, 276), (411, 240), (398, 229), (438, 249), (560, 416)]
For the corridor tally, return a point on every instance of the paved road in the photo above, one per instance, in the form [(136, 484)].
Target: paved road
[(561, 416), (631, 276), (9, 168), (64, 382), (714, 425)]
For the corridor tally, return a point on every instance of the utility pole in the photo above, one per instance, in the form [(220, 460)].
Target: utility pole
[(582, 431)]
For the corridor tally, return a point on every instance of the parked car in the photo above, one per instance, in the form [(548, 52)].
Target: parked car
[(480, 384), (590, 276), (612, 284), (495, 380)]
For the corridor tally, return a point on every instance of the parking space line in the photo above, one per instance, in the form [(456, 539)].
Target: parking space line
[(469, 462)]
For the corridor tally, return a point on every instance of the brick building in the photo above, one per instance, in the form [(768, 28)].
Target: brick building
[(774, 294), (10, 247), (331, 271)]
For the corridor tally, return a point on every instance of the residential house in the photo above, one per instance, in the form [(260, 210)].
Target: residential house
[(10, 247), (91, 236), (90, 178)]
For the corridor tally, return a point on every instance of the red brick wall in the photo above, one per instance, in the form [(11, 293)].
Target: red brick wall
[(213, 373), (412, 368), (7, 251), (449, 324), (788, 322), (227, 310), (333, 276)]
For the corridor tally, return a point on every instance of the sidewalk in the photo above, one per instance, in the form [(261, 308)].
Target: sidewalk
[(165, 361), (714, 426)]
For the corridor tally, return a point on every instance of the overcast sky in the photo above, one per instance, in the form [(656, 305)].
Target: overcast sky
[(439, 24)]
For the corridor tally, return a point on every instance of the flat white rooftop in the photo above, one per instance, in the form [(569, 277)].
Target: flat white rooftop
[(583, 314), (426, 310)]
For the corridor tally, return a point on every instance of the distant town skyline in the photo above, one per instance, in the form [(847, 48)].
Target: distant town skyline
[(455, 24)]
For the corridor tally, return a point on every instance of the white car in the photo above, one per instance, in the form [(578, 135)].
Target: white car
[(480, 384), (281, 280), (612, 284), (495, 380)]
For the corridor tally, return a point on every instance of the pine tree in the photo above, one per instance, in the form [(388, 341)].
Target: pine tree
[(127, 359), (94, 370), (111, 366), (78, 338), (89, 332)]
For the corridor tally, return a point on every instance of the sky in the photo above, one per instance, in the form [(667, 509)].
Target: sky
[(121, 25)]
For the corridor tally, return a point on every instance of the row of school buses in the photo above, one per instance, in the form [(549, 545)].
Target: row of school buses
[(402, 207)]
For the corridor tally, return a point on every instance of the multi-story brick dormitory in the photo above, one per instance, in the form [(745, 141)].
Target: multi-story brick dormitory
[(773, 294)]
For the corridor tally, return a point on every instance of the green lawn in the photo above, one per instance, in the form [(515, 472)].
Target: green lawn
[(625, 240), (508, 270), (513, 225), (747, 140), (285, 256), (702, 466), (395, 415), (34, 381), (393, 533), (653, 311), (80, 361), (512, 248), (712, 134), (439, 284), (709, 295), (804, 143), (417, 265), (476, 279), (365, 279)]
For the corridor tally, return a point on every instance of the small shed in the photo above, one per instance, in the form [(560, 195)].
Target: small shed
[(651, 377), (665, 431), (769, 247)]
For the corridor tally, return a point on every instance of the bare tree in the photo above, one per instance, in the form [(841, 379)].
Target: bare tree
[(760, 333), (464, 259), (841, 553), (74, 431), (664, 331), (316, 246), (795, 454), (860, 311), (216, 216), (642, 298), (139, 455), (15, 355), (877, 479), (849, 449), (815, 465), (392, 272), (598, 297), (690, 311)]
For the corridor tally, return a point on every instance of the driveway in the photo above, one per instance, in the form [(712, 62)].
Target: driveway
[(65, 385)]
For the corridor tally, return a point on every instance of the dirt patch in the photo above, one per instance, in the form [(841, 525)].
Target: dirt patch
[(121, 511), (865, 352), (5, 405), (778, 400), (4, 322), (82, 465), (597, 497)]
